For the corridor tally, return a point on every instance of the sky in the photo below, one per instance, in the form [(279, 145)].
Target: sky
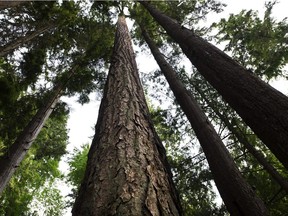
[(83, 117)]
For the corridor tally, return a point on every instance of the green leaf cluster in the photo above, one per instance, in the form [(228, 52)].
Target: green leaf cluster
[(258, 44)]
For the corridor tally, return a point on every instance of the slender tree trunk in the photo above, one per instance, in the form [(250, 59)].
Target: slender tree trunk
[(238, 196), (242, 139), (19, 148), (127, 172), (18, 42), (262, 107)]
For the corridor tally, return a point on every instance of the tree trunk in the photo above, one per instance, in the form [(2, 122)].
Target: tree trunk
[(242, 139), (238, 196), (127, 172), (262, 107), (18, 42), (19, 148)]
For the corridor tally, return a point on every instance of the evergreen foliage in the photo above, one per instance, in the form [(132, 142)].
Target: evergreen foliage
[(40, 43)]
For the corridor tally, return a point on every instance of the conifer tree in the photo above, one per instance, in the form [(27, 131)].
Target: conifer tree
[(17, 151), (262, 107), (127, 172), (238, 196)]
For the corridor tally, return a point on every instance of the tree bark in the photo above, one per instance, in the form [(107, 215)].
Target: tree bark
[(238, 196), (262, 107), (127, 172), (242, 139), (20, 147), (18, 42)]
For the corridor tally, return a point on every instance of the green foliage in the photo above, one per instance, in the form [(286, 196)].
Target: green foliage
[(36, 176), (84, 38), (259, 45), (9, 89), (191, 174), (31, 66), (77, 165)]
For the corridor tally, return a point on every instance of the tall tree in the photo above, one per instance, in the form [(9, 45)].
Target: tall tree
[(37, 174), (127, 172), (22, 144), (238, 196), (262, 107)]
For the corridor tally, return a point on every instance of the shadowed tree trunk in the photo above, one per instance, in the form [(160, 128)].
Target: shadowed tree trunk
[(127, 172), (242, 139), (17, 151), (238, 196), (262, 107)]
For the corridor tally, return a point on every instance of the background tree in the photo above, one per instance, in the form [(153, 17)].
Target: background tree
[(211, 144), (250, 103)]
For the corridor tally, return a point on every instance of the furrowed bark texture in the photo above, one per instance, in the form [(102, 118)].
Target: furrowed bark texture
[(127, 172), (238, 196), (262, 107), (18, 150)]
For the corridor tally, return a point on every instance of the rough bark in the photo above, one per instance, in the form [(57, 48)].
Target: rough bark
[(242, 139), (262, 107), (238, 196), (127, 171), (18, 150), (18, 42)]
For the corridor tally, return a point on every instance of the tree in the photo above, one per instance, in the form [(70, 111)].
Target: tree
[(238, 196), (127, 172), (34, 186), (22, 144), (262, 107)]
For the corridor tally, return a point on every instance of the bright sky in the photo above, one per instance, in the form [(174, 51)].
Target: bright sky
[(83, 118)]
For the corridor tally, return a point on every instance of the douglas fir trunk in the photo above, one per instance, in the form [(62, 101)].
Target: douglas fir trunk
[(238, 196), (127, 172), (262, 107)]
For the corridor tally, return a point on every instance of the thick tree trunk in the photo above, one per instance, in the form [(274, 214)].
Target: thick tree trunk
[(242, 139), (262, 107), (18, 42), (127, 171), (19, 148), (238, 196)]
